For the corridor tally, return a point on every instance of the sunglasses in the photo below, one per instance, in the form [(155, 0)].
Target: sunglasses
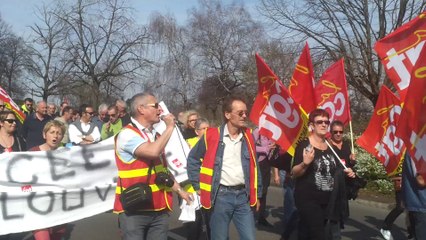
[(11, 121), (90, 113), (241, 113), (337, 132), (154, 105), (192, 120), (110, 115), (327, 122)]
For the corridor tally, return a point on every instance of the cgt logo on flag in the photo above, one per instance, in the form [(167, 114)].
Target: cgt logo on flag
[(274, 111), (26, 188), (400, 50)]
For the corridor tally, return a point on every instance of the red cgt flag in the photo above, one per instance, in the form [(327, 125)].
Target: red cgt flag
[(302, 82), (412, 122), (274, 111), (331, 93), (400, 50), (10, 104), (379, 138)]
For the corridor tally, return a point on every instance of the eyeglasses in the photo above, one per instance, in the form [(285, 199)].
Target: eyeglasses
[(11, 121), (192, 120), (319, 122), (241, 113), (154, 105), (90, 113), (337, 132)]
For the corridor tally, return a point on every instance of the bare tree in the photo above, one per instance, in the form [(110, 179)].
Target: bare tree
[(104, 42), (12, 60), (344, 28), (49, 63), (177, 65), (225, 39)]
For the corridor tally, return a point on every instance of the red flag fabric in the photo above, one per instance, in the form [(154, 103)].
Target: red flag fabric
[(274, 111), (331, 93), (379, 138), (400, 50), (10, 104), (412, 122), (302, 82)]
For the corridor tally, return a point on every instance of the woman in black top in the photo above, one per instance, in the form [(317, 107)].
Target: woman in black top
[(317, 174), (9, 141)]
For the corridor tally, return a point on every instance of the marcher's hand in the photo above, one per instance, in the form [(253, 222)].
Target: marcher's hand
[(277, 179), (308, 155), (169, 119), (352, 157), (349, 172), (186, 196), (420, 181), (107, 125)]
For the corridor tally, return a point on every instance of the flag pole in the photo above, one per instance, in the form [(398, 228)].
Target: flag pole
[(352, 137)]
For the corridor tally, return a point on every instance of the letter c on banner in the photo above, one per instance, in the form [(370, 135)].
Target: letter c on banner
[(10, 165)]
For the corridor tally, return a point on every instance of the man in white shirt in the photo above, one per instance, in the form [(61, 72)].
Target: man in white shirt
[(84, 131)]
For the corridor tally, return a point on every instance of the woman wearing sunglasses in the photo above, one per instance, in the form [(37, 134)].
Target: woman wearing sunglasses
[(319, 183), (53, 132), (9, 141)]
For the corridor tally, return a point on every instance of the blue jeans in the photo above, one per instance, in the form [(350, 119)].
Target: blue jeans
[(290, 218), (232, 205), (144, 225)]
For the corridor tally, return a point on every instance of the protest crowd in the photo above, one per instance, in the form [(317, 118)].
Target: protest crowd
[(229, 167)]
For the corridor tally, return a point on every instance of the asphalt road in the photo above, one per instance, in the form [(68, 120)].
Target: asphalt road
[(365, 220)]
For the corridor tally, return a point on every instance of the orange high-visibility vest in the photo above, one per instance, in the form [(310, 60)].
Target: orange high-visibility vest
[(211, 138), (136, 171)]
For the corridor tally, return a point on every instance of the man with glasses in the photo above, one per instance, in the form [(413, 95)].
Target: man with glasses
[(223, 169), (341, 147), (32, 129), (138, 149), (27, 107), (84, 131), (113, 126)]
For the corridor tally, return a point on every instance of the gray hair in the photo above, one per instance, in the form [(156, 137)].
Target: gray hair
[(102, 107), (137, 100), (201, 121)]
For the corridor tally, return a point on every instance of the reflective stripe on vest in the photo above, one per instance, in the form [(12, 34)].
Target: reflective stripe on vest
[(136, 171), (211, 138)]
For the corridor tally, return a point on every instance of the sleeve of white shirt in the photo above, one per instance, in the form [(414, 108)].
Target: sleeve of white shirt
[(126, 144), (96, 134), (74, 134)]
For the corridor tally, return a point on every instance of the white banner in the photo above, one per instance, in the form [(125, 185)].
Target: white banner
[(177, 149), (44, 189)]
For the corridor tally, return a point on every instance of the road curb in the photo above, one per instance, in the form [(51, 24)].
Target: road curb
[(380, 205), (374, 204)]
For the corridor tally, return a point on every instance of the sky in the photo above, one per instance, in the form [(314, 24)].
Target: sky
[(21, 13)]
